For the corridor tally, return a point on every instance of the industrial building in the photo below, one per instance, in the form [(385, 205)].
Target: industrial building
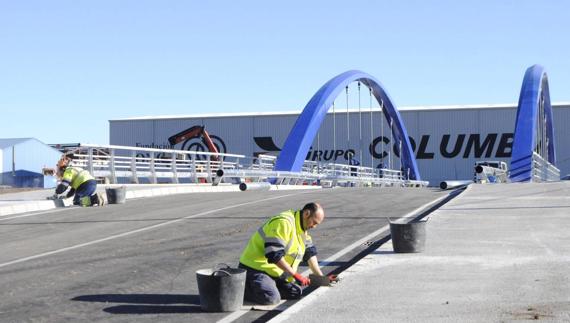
[(22, 161), (447, 140)]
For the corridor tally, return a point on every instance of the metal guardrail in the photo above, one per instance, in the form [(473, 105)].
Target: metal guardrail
[(126, 164), (543, 170), (118, 164)]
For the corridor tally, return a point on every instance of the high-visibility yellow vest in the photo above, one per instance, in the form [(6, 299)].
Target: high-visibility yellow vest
[(283, 232), (75, 176)]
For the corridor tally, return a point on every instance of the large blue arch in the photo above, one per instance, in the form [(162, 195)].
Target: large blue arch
[(307, 125), (534, 92)]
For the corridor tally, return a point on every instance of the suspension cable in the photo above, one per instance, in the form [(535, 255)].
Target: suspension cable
[(391, 143), (359, 127), (371, 130), (347, 123), (545, 133), (382, 130), (318, 149), (400, 152), (334, 134)]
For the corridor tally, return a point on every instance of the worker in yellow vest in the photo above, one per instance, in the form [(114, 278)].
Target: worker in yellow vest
[(273, 254), (82, 183)]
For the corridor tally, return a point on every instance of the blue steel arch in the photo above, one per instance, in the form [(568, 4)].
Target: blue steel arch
[(307, 125), (534, 93)]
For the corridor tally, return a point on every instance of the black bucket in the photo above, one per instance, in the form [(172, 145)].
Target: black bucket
[(221, 290), (408, 237), (116, 195)]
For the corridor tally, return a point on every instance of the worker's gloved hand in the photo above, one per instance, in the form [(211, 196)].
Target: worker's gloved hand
[(70, 193), (303, 281), (333, 278)]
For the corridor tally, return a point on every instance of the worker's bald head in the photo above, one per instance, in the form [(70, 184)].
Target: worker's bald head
[(313, 214)]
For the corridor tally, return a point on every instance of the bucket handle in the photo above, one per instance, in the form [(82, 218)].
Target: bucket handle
[(221, 268), (221, 271)]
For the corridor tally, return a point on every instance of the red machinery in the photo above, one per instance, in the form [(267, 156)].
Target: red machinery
[(195, 132)]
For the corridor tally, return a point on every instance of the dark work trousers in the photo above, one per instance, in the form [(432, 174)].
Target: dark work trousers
[(263, 289), (85, 189)]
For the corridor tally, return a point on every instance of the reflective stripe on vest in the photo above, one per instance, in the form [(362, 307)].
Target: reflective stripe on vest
[(291, 220), (77, 176), (275, 240), (280, 233)]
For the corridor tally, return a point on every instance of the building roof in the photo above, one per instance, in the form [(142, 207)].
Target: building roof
[(259, 114), (9, 142)]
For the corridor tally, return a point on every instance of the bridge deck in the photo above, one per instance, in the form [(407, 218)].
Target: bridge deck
[(137, 261)]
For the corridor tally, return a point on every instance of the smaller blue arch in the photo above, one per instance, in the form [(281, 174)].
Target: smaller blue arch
[(303, 133), (534, 90)]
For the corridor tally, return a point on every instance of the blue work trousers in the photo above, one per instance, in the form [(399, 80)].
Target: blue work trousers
[(263, 289), (86, 189)]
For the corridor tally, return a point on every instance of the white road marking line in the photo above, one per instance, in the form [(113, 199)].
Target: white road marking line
[(124, 234), (38, 213)]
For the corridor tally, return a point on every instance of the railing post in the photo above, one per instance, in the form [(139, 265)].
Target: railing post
[(209, 170), (90, 160), (112, 167), (134, 177), (174, 169), (152, 170), (194, 175)]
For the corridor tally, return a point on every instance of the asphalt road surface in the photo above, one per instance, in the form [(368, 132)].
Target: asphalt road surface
[(137, 261)]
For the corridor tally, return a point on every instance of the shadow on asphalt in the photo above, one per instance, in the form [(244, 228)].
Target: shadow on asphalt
[(146, 303), (381, 252), (152, 309)]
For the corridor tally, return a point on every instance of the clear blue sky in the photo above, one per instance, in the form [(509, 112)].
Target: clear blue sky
[(67, 67)]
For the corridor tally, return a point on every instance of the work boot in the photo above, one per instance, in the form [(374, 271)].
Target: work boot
[(97, 199), (86, 201)]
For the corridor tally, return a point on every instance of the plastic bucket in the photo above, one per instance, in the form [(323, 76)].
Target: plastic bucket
[(221, 290), (116, 195), (408, 237)]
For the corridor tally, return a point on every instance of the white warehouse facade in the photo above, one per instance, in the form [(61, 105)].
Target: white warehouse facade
[(446, 140)]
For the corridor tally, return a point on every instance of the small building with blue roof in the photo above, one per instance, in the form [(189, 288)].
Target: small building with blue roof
[(22, 161)]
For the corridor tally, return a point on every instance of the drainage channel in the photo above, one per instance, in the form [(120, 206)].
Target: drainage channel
[(343, 260)]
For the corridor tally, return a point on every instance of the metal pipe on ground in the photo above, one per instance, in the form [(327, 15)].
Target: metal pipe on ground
[(258, 186), (447, 185), (218, 178)]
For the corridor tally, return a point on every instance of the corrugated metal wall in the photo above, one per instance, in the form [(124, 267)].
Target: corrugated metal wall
[(447, 141), (562, 138)]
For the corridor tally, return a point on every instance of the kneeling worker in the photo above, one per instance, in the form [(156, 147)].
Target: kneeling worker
[(274, 252), (83, 184)]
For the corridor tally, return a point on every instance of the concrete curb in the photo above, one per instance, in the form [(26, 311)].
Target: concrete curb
[(9, 208)]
